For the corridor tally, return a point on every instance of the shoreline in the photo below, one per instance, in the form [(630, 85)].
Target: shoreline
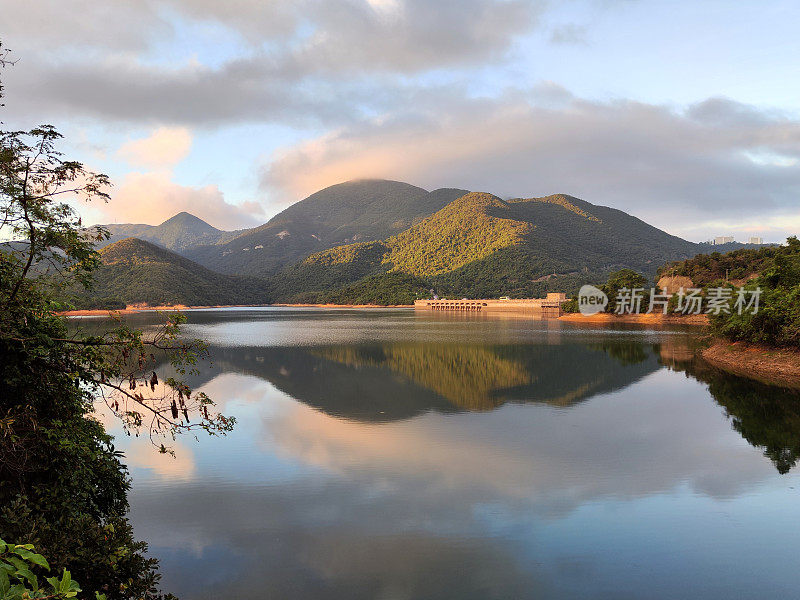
[(609, 318), (134, 308), (645, 318), (769, 365)]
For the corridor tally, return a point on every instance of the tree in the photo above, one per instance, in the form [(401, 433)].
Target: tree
[(62, 485), (625, 278), (50, 250)]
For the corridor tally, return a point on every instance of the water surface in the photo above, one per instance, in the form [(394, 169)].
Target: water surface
[(388, 454)]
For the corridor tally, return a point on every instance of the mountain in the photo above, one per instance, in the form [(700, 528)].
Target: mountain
[(135, 271), (481, 246), (354, 211), (178, 233)]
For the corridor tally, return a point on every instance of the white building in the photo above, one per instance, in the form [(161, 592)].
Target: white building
[(756, 240), (723, 239)]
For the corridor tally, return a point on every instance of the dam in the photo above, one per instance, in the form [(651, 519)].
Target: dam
[(550, 304)]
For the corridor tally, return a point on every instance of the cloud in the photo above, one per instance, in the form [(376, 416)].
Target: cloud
[(302, 61), (676, 168), (165, 147), (122, 25), (155, 197), (569, 34)]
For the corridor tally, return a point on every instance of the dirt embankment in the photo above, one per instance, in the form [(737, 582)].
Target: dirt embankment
[(645, 319), (776, 366), (134, 308), (350, 305)]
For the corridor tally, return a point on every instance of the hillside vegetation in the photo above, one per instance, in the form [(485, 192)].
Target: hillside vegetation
[(777, 321), (738, 266), (480, 245), (135, 271)]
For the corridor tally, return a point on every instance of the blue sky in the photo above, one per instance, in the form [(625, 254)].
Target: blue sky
[(683, 113)]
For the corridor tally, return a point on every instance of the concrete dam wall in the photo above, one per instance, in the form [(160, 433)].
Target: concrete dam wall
[(552, 302)]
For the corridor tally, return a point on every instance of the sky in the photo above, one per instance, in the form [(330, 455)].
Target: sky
[(685, 114)]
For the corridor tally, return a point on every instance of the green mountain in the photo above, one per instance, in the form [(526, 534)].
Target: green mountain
[(355, 211), (135, 271), (178, 233), (481, 246)]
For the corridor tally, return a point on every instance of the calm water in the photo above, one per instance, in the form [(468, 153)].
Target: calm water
[(392, 455)]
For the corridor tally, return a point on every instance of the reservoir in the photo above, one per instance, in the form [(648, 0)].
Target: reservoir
[(402, 454)]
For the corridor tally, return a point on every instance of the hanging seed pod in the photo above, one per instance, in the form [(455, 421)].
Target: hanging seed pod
[(186, 415), (205, 412), (153, 382), (132, 383), (174, 410)]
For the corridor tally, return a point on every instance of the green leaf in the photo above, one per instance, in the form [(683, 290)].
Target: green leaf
[(28, 574), (16, 591), (26, 554), (66, 582), (18, 563), (38, 559)]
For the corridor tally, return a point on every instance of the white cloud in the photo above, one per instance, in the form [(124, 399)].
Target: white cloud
[(302, 59), (155, 197), (164, 148)]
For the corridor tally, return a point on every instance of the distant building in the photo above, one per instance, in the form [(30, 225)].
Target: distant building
[(723, 239), (756, 240)]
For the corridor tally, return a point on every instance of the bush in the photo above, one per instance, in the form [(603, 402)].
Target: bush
[(777, 321)]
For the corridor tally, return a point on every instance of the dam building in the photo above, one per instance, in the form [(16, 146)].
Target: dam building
[(549, 304)]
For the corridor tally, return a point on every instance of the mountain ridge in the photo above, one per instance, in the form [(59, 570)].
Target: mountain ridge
[(350, 212), (326, 248), (178, 233)]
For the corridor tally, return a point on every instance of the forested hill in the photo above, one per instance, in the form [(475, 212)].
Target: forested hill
[(482, 246), (135, 271), (354, 211)]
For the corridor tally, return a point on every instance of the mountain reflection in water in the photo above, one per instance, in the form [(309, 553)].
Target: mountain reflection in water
[(388, 455)]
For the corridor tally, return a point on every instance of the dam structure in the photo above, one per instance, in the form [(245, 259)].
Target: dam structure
[(551, 304)]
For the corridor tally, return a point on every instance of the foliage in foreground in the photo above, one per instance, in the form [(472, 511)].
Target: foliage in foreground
[(18, 579)]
